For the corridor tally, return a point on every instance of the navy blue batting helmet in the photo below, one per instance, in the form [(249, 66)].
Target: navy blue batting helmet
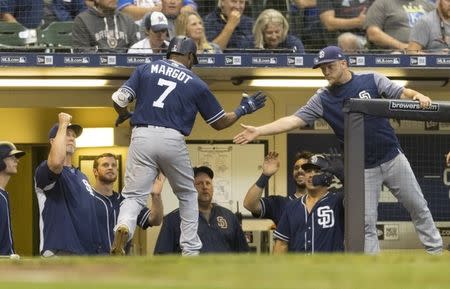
[(317, 162), (182, 45)]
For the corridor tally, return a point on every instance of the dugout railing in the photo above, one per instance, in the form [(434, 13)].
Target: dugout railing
[(355, 110)]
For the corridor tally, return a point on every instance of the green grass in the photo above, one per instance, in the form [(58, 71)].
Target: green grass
[(409, 270)]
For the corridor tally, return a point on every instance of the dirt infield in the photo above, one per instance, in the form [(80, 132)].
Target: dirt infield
[(406, 270)]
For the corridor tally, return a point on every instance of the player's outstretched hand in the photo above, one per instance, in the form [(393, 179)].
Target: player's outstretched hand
[(336, 164), (271, 164), (123, 117), (250, 104), (250, 133)]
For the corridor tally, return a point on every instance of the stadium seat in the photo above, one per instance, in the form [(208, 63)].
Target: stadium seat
[(13, 34), (58, 36)]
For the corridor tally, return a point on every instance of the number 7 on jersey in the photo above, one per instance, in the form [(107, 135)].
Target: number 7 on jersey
[(170, 86)]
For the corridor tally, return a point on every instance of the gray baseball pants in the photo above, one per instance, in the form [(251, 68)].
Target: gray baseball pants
[(398, 176), (154, 148)]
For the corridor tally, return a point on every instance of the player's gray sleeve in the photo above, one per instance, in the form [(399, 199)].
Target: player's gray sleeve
[(386, 87), (312, 110), (420, 33)]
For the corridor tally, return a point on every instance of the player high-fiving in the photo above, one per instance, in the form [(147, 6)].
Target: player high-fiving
[(168, 96)]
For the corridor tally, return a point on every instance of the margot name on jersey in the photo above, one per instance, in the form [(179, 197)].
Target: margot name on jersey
[(170, 71)]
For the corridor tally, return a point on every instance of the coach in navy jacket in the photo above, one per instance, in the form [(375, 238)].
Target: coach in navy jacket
[(218, 228), (68, 221)]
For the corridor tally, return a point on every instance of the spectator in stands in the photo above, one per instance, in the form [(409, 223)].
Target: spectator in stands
[(62, 10), (191, 24), (29, 13), (137, 9), (171, 9), (351, 43), (155, 25), (343, 16), (218, 228), (389, 22), (100, 28), (271, 32), (228, 27), (432, 32), (272, 207)]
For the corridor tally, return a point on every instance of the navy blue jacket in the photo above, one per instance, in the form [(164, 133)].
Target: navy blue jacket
[(222, 233), (6, 238), (68, 219)]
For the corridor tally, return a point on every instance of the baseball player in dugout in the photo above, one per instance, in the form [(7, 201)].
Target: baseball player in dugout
[(385, 162), (108, 201), (218, 228), (168, 96), (9, 159), (314, 222), (272, 207), (68, 222)]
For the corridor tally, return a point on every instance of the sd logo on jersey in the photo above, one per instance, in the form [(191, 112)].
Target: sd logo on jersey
[(326, 217)]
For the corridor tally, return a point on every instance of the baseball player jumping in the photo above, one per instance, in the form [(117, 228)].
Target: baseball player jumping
[(168, 96), (385, 162)]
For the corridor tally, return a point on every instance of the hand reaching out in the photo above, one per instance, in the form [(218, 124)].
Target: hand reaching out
[(250, 133), (271, 164)]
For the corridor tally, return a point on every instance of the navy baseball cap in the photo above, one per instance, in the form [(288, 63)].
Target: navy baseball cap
[(205, 170), (327, 55), (75, 127), (317, 162), (8, 149)]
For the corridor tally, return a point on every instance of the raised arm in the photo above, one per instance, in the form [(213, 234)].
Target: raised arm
[(224, 36), (448, 159), (58, 150), (280, 125), (252, 199), (137, 13)]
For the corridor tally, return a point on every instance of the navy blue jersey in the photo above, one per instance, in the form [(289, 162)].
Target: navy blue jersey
[(6, 238), (321, 230), (272, 207), (107, 210), (68, 220), (381, 143), (170, 95), (221, 234)]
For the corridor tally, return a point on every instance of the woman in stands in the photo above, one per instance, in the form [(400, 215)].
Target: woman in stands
[(271, 32), (191, 24)]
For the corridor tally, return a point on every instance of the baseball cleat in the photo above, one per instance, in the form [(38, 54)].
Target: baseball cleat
[(120, 241)]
